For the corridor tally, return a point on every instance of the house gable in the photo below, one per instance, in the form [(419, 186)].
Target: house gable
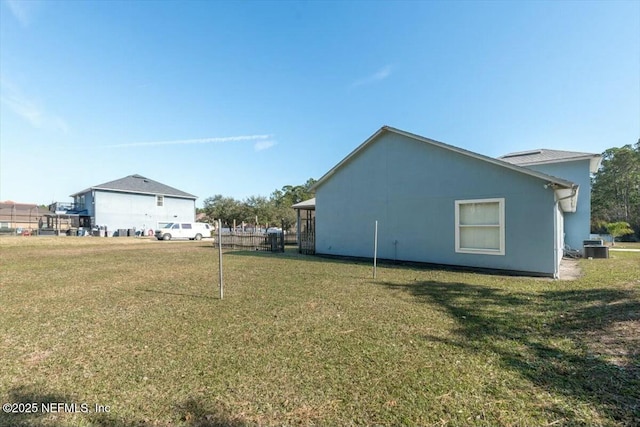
[(411, 186), (387, 129)]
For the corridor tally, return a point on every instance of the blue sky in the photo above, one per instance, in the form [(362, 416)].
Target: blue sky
[(241, 98)]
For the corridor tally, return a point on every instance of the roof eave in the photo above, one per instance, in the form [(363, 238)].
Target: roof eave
[(567, 198), (594, 161), (308, 204)]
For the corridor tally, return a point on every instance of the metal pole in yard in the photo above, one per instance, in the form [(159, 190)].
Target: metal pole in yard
[(220, 257), (375, 250)]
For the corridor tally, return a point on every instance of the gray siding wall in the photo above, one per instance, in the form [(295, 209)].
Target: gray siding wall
[(411, 187), (578, 224), (126, 210)]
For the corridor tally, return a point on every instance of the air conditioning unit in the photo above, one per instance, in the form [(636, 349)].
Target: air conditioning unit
[(596, 251)]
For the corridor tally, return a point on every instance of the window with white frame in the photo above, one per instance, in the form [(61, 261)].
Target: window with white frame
[(159, 200), (480, 226)]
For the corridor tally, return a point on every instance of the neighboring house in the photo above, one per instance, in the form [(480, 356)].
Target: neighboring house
[(574, 166), (14, 216), (436, 203), (133, 202)]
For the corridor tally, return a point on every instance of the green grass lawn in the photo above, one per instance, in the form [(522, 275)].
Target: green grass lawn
[(136, 325)]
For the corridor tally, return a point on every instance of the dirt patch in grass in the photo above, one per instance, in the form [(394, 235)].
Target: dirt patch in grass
[(37, 356), (619, 343)]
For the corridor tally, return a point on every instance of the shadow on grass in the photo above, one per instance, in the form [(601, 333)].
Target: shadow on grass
[(530, 331), (28, 406), (189, 413), (180, 294), (289, 253), (293, 254)]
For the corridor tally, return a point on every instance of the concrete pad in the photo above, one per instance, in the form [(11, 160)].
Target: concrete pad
[(570, 269)]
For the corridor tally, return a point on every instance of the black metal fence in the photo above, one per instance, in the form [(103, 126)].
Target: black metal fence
[(291, 238), (307, 242)]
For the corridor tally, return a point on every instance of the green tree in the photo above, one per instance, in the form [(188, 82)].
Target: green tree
[(616, 187), (258, 207), (226, 209), (618, 229), (274, 210), (288, 196)]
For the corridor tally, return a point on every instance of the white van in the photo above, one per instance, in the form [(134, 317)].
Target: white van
[(184, 230)]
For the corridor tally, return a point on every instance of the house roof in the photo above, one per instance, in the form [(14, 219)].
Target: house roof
[(11, 204), (138, 184), (388, 129), (543, 156), (309, 204)]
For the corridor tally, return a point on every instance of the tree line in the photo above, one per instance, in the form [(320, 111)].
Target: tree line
[(615, 193), (274, 210)]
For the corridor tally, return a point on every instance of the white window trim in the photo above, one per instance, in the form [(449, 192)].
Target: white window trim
[(501, 218), (159, 200)]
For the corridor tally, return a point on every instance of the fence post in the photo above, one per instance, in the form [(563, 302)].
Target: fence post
[(220, 257)]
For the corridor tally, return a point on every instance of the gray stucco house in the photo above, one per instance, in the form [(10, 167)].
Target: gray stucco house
[(436, 203), (134, 202)]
